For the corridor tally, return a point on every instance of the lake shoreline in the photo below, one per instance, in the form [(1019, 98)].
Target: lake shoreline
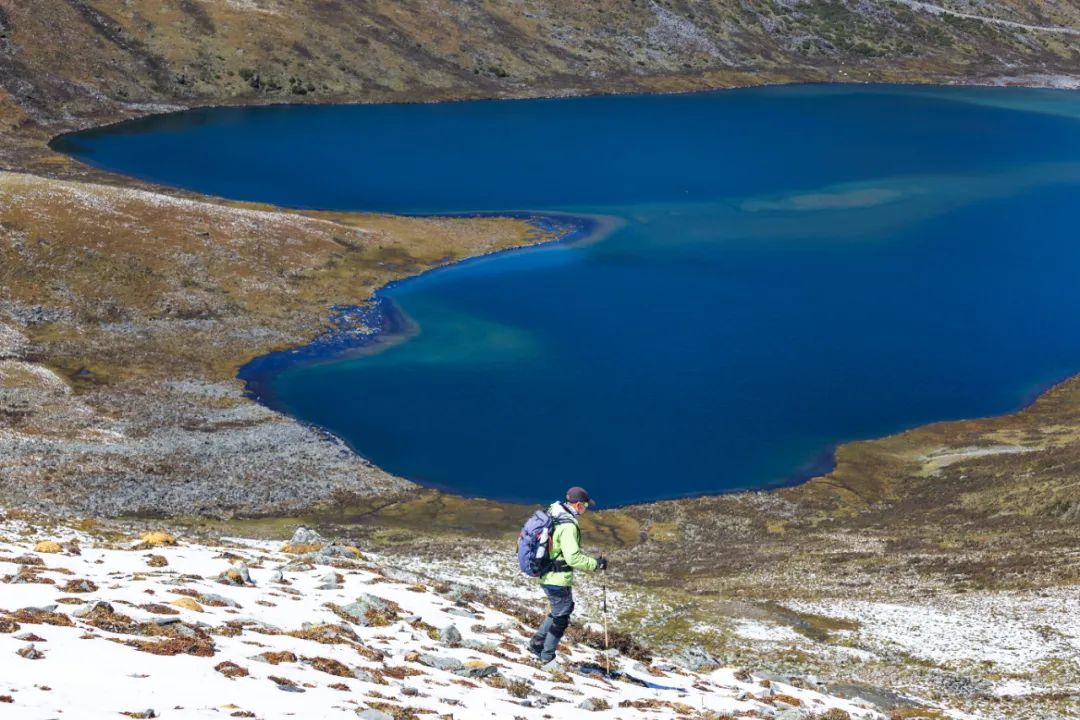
[(379, 323), (377, 315)]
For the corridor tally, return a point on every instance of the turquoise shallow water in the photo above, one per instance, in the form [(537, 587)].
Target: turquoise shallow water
[(779, 270)]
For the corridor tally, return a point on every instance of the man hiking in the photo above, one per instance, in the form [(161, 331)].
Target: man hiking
[(566, 556)]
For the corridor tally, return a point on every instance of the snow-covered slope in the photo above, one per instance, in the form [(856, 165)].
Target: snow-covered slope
[(94, 628)]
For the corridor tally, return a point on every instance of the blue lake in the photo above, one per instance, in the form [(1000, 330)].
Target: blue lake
[(760, 274)]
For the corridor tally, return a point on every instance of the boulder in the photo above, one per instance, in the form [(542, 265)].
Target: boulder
[(368, 610), (330, 581), (696, 659), (450, 635), (48, 546), (439, 662)]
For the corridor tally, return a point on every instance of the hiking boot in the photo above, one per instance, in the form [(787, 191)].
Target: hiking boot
[(534, 652), (556, 664)]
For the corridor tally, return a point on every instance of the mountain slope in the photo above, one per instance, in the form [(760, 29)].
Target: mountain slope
[(61, 60), (152, 628)]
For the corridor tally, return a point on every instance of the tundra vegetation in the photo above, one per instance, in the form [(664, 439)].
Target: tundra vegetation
[(939, 561)]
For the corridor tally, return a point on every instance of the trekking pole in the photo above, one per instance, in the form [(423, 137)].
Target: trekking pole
[(607, 657)]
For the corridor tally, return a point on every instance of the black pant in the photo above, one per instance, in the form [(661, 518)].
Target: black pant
[(546, 639)]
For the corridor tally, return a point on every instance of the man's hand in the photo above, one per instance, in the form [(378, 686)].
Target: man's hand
[(601, 563)]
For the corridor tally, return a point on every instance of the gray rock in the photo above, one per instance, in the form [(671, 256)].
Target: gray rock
[(479, 645), (696, 659), (450, 635), (328, 582), (462, 613), (409, 691), (357, 610), (330, 552), (589, 704), (185, 631), (477, 672), (373, 714), (304, 536), (441, 663), (213, 598), (364, 676), (278, 577), (791, 714)]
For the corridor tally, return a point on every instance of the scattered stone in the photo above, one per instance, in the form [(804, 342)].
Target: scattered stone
[(148, 713), (370, 611), (188, 604), (286, 684), (696, 659), (461, 613), (278, 578), (448, 664), (373, 714), (157, 561), (330, 581), (30, 652), (743, 675), (409, 691), (482, 670), (329, 552), (594, 704), (304, 536), (450, 635), (7, 625), (213, 600), (30, 637), (238, 576)]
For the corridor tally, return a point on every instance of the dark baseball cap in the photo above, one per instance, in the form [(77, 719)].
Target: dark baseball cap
[(578, 494)]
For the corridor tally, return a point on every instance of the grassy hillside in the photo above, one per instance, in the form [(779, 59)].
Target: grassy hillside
[(66, 59)]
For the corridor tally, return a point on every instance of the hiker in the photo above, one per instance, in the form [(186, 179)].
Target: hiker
[(565, 556)]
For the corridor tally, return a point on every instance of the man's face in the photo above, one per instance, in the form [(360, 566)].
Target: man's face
[(580, 507)]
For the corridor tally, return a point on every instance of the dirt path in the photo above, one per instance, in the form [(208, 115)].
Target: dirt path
[(938, 10)]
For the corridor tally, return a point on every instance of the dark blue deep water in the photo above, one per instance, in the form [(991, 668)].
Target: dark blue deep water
[(766, 273)]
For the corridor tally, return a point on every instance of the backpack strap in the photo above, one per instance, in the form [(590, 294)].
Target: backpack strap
[(558, 564)]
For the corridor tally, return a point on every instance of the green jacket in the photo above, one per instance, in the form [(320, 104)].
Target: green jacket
[(566, 546)]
